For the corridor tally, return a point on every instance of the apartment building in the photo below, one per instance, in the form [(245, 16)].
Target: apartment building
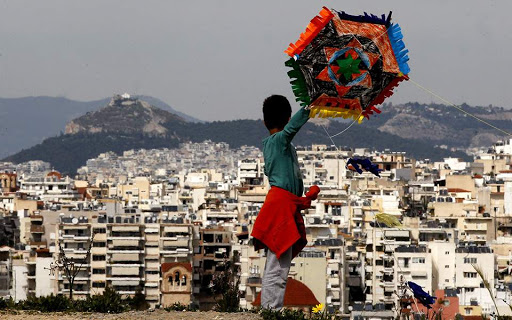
[(391, 259), (130, 252)]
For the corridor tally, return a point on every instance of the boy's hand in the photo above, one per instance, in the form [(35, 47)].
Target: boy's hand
[(313, 192)]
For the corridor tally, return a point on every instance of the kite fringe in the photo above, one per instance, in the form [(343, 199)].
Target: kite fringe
[(387, 92), (369, 18), (312, 30), (298, 83), (369, 111), (395, 37), (327, 112)]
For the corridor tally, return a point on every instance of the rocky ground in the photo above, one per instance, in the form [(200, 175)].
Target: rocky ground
[(153, 315)]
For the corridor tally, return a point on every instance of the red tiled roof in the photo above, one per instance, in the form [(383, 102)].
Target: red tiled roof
[(477, 176), (167, 266), (505, 171), (296, 294), (473, 317), (457, 190), (449, 311), (54, 173)]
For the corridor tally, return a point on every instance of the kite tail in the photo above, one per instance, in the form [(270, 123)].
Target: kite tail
[(395, 37), (298, 83)]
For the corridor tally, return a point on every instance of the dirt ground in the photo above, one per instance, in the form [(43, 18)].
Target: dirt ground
[(153, 315)]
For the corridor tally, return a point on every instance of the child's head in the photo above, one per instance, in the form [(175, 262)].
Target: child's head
[(276, 112)]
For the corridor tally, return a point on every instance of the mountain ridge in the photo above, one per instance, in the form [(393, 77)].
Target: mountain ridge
[(48, 117), (423, 131)]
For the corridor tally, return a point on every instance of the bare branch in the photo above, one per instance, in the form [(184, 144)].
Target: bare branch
[(86, 255)]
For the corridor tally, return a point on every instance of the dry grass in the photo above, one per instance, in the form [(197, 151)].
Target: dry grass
[(154, 315)]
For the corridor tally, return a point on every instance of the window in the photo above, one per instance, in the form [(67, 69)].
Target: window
[(447, 266), (470, 260), (184, 280), (177, 277), (98, 271), (99, 244), (98, 284), (100, 230), (418, 260), (469, 274), (447, 252), (96, 257), (152, 272)]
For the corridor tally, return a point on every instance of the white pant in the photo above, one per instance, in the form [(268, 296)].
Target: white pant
[(273, 285)]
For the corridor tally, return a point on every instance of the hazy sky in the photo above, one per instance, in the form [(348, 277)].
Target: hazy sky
[(217, 60)]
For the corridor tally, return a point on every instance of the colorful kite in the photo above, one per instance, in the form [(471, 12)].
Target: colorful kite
[(344, 65)]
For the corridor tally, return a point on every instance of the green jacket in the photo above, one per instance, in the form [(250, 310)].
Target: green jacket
[(281, 164)]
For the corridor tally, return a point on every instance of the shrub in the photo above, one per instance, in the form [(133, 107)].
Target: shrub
[(138, 302), (7, 303), (226, 284), (177, 307), (49, 303), (108, 302), (284, 314)]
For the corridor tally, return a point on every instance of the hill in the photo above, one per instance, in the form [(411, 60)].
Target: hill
[(70, 151), (28, 121), (443, 124), (133, 123), (125, 115)]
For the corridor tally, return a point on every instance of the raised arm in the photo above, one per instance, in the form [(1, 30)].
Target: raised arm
[(294, 125)]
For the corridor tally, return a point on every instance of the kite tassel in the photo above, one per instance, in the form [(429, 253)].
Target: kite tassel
[(312, 30), (395, 37), (298, 83)]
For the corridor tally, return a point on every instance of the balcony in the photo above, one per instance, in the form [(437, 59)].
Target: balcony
[(476, 226), (387, 284), (334, 282), (254, 282), (387, 270), (37, 243), (36, 229)]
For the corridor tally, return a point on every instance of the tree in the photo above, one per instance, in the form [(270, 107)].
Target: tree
[(226, 284), (68, 265)]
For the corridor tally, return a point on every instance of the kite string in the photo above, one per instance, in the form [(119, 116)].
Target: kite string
[(343, 131), (458, 108)]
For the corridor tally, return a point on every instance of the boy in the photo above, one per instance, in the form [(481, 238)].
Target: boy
[(279, 226)]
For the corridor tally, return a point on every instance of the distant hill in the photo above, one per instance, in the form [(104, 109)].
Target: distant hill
[(122, 127), (125, 115), (443, 125), (28, 121), (118, 126)]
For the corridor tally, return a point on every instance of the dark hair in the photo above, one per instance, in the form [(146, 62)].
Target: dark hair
[(276, 112)]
